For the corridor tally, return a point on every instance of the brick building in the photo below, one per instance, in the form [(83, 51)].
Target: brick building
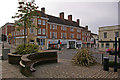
[(7, 29), (51, 29)]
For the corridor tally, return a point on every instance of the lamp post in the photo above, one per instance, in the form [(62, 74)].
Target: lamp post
[(115, 66)]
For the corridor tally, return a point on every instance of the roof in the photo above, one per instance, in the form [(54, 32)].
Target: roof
[(94, 34), (9, 24), (58, 20)]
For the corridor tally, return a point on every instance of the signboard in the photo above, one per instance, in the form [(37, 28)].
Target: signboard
[(41, 36)]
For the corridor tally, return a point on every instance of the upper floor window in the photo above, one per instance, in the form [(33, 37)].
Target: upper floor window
[(116, 34), (39, 21), (72, 29), (31, 30), (63, 28), (63, 35), (53, 35), (78, 30), (43, 22), (39, 31), (54, 26), (72, 36), (50, 26), (23, 32), (105, 34), (78, 36), (43, 31), (50, 34), (32, 21)]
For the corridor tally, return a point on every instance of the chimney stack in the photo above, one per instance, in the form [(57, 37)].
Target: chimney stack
[(61, 15), (43, 9), (86, 27), (70, 17), (78, 22)]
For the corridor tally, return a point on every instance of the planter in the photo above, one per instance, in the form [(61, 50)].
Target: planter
[(14, 58), (111, 53)]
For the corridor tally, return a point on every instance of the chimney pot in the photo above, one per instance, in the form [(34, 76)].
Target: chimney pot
[(78, 22), (70, 17), (86, 27), (43, 9), (61, 15)]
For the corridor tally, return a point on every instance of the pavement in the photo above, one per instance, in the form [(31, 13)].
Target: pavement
[(63, 69)]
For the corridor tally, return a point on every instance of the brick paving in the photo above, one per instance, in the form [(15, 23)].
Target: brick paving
[(63, 69)]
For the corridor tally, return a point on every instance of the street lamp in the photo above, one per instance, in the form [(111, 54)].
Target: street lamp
[(115, 66)]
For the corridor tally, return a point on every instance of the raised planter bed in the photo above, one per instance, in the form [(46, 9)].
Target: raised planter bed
[(14, 58), (28, 61)]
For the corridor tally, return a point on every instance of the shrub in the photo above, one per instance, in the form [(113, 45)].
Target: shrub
[(111, 64), (83, 58), (29, 48)]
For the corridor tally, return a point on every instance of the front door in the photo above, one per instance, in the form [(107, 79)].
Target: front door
[(72, 44)]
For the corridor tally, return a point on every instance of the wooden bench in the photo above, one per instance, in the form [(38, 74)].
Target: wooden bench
[(28, 61)]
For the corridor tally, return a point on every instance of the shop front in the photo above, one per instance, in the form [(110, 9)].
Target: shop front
[(52, 44), (63, 43), (71, 44), (79, 44)]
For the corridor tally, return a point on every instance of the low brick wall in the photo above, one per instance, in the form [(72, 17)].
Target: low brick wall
[(28, 61)]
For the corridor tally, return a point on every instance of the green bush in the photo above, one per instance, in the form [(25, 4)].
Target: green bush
[(29, 48), (111, 64), (83, 58)]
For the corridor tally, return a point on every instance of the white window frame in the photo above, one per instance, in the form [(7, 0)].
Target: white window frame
[(39, 21), (39, 31), (50, 34), (72, 29), (43, 31), (56, 35), (43, 22), (31, 30), (50, 26), (78, 30)]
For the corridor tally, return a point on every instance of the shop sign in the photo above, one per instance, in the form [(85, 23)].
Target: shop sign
[(41, 36), (53, 42)]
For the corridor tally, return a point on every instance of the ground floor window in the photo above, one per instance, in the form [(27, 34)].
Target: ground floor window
[(107, 45), (78, 45), (102, 45), (41, 41), (53, 46)]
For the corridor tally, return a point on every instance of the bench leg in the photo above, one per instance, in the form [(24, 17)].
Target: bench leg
[(25, 71)]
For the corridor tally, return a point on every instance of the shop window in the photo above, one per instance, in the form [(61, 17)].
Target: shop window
[(102, 45), (107, 45)]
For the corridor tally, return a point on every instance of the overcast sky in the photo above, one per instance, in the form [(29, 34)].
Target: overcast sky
[(94, 13)]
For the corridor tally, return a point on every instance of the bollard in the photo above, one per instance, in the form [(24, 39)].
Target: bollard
[(106, 64), (5, 54)]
